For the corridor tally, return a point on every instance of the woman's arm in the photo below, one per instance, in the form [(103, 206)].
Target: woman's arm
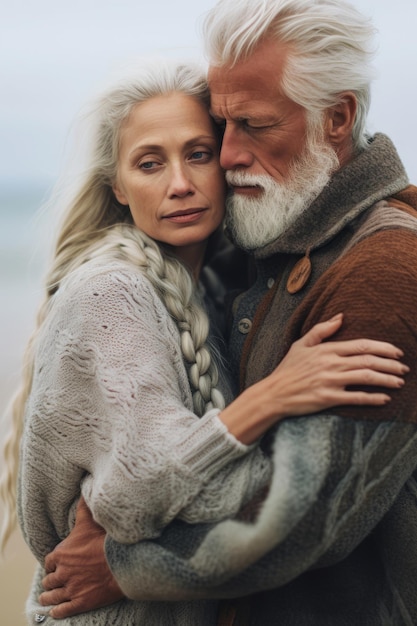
[(111, 407)]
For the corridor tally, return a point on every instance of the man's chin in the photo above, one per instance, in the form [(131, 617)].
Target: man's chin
[(248, 191), (254, 222), (248, 238)]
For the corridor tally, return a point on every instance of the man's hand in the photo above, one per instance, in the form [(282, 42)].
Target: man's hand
[(78, 578)]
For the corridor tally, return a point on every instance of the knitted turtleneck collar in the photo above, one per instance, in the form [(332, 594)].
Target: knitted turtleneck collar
[(376, 173)]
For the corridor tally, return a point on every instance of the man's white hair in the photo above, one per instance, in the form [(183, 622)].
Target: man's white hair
[(332, 48)]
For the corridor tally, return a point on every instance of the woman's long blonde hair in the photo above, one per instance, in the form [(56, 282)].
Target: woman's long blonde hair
[(95, 224)]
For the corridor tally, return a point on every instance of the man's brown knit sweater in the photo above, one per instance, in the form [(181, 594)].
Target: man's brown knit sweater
[(335, 540)]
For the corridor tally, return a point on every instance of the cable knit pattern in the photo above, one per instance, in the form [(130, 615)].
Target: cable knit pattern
[(111, 410)]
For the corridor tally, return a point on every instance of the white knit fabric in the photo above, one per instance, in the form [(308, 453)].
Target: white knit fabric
[(111, 410)]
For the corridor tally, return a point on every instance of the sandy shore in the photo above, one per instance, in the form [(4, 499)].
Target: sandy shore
[(16, 570), (17, 566), (15, 575)]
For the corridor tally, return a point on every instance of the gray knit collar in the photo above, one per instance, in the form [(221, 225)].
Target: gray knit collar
[(376, 173)]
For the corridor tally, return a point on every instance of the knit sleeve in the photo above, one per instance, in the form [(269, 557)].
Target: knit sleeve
[(333, 480), (111, 407)]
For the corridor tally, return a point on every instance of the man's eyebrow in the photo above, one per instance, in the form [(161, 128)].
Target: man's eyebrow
[(217, 118)]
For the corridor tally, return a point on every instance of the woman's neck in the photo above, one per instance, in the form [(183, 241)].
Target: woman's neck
[(192, 256)]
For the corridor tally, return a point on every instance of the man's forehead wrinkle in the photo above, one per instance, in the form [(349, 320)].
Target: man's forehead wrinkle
[(238, 108), (241, 105), (237, 95)]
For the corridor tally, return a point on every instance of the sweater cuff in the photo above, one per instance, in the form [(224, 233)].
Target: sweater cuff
[(208, 445)]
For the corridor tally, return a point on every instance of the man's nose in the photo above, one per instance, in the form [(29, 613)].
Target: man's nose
[(234, 151)]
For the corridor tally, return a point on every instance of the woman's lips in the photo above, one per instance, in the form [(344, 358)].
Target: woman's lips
[(186, 216)]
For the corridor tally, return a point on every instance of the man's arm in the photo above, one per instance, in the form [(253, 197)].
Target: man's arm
[(322, 502), (370, 453), (188, 561), (97, 587)]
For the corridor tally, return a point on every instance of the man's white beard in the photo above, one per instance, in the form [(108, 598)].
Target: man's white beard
[(255, 222)]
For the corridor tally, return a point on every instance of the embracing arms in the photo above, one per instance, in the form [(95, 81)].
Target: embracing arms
[(336, 474), (315, 388)]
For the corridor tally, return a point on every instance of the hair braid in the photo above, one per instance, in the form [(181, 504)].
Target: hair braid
[(175, 287)]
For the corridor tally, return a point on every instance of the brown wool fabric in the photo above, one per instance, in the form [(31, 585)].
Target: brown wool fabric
[(374, 284), (382, 270)]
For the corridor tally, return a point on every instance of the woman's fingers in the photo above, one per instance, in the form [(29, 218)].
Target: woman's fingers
[(349, 347), (370, 378), (356, 398), (339, 395), (321, 331), (364, 347), (331, 388), (363, 362)]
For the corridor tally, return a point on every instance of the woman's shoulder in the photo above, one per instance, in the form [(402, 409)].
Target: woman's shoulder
[(115, 291), (110, 278)]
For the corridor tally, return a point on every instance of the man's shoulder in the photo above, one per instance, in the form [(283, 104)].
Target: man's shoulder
[(393, 214), (381, 258), (405, 199), (376, 271)]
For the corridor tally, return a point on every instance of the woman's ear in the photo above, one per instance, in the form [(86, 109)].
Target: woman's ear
[(340, 120), (120, 196)]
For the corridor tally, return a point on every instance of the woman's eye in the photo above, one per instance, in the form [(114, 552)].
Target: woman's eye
[(148, 165), (201, 155)]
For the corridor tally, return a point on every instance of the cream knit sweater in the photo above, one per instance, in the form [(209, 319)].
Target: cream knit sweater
[(110, 413)]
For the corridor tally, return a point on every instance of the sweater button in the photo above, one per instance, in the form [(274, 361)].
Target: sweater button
[(244, 325), (270, 283), (39, 618)]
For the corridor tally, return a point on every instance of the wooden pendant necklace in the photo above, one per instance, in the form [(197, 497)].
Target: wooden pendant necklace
[(299, 274)]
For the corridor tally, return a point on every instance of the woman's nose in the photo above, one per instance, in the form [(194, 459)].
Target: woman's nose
[(180, 184)]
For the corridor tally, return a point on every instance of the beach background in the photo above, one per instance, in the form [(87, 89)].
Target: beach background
[(53, 55), (22, 260)]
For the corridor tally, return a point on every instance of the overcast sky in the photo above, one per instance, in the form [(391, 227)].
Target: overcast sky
[(54, 54)]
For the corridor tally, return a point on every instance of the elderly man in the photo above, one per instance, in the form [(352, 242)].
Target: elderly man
[(327, 217)]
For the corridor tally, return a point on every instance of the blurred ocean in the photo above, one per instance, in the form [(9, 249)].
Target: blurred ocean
[(25, 242), (24, 246)]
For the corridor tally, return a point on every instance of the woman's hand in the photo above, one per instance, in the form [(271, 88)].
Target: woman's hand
[(314, 376)]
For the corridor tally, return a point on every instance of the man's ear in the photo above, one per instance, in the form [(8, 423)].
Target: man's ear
[(340, 120), (120, 196)]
